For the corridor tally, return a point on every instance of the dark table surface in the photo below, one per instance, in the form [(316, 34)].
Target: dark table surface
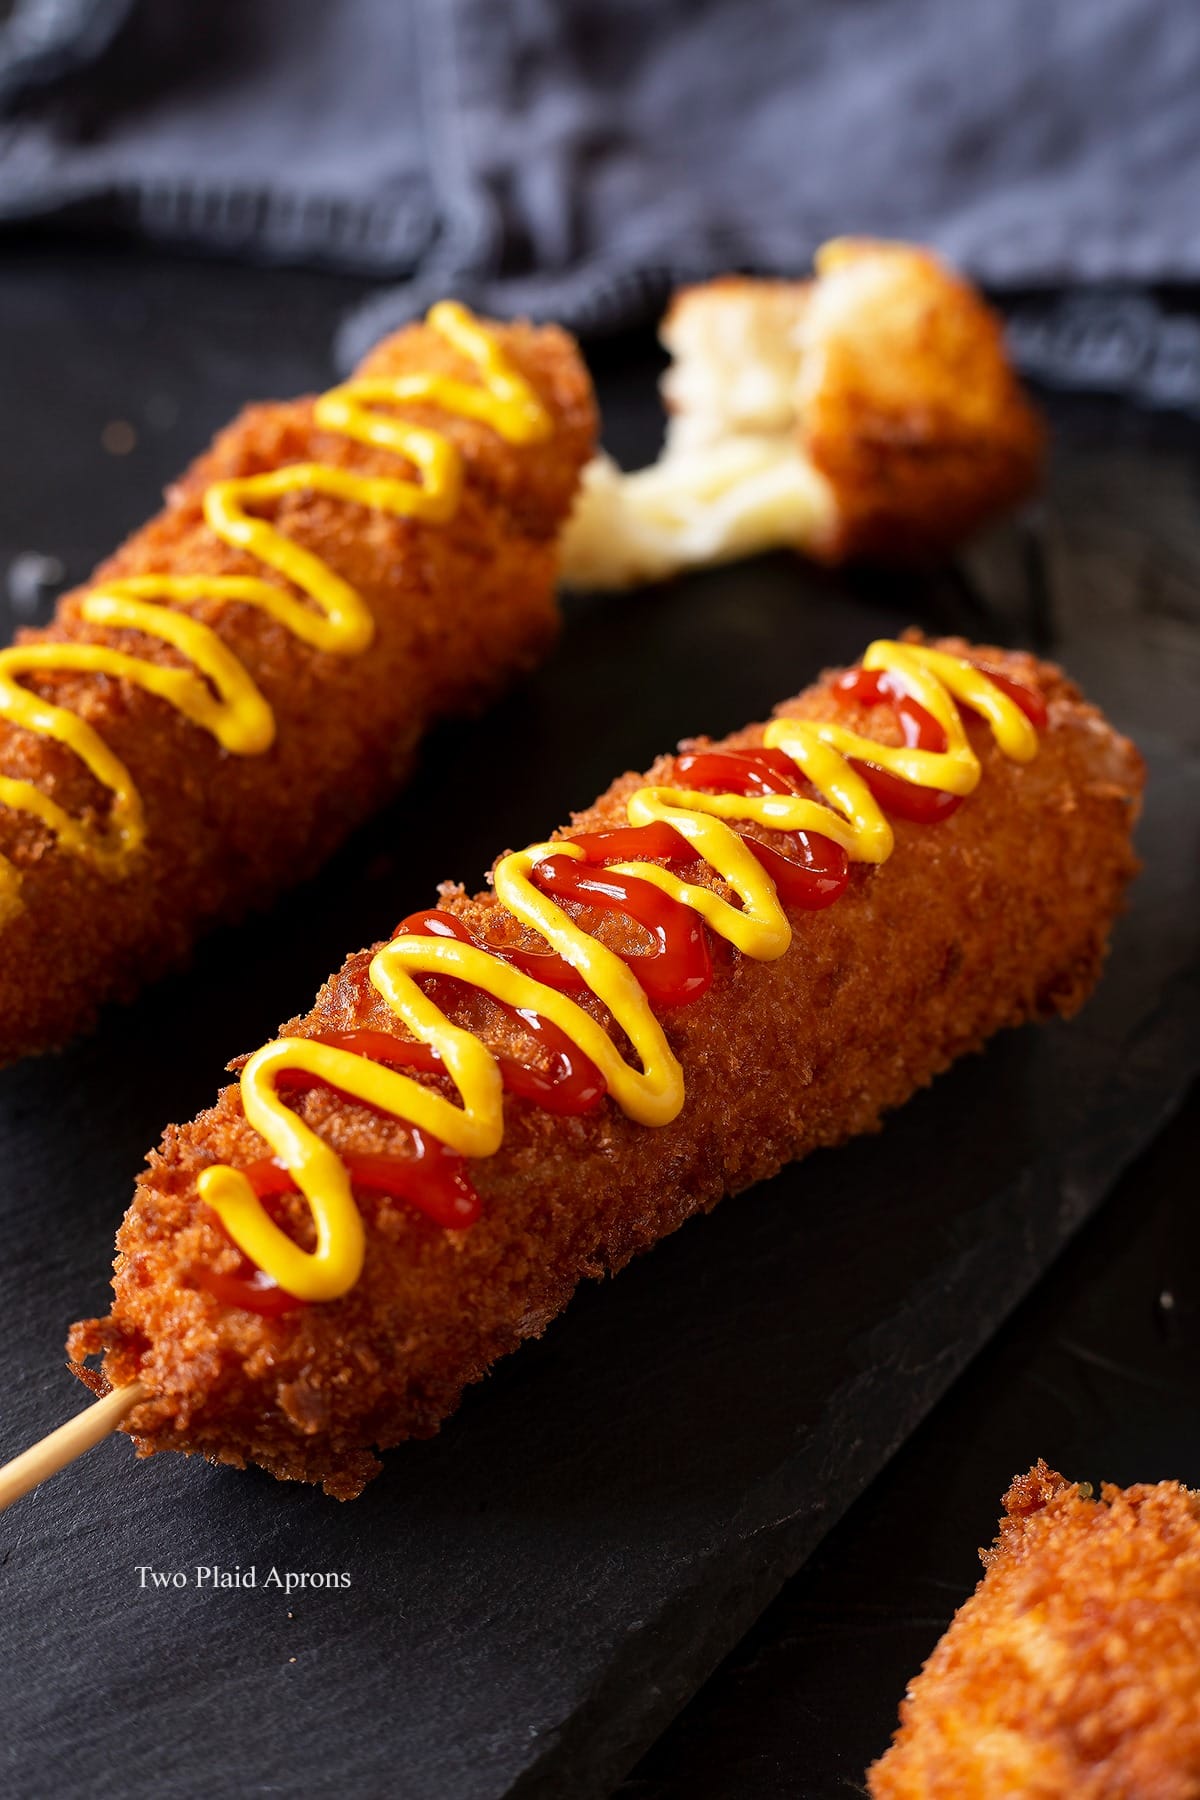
[(1096, 1371)]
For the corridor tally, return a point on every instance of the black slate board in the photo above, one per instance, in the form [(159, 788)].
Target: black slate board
[(1097, 1371), (537, 1591)]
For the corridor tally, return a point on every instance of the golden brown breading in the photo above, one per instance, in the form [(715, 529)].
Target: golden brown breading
[(1073, 1672), (870, 413), (908, 405), (997, 915), (459, 610)]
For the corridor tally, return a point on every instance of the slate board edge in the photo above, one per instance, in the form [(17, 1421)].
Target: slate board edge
[(645, 1686)]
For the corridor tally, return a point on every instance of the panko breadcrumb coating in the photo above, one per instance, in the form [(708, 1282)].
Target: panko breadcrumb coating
[(996, 915), (869, 413), (1073, 1671), (459, 609)]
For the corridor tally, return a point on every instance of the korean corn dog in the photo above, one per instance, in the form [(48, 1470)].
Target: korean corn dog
[(248, 677), (1073, 1671), (756, 949), (870, 413)]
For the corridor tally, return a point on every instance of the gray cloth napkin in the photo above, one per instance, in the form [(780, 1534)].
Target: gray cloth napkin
[(576, 158)]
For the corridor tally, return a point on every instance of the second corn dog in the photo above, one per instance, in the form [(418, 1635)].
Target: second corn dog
[(247, 679)]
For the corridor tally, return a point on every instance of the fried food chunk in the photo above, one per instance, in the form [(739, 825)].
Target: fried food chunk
[(459, 609), (869, 413), (921, 959), (1073, 1671)]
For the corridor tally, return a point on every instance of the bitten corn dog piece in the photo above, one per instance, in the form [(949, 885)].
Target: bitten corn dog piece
[(1073, 1672), (757, 948), (248, 678), (869, 413)]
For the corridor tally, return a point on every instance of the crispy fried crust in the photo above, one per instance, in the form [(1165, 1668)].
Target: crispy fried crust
[(459, 610), (995, 916), (1073, 1672), (908, 404), (892, 375), (870, 413)]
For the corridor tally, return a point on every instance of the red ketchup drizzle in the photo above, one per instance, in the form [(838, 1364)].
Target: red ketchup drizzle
[(817, 871), (430, 1179), (921, 731), (1030, 703), (572, 1084), (678, 967), (675, 971), (249, 1288)]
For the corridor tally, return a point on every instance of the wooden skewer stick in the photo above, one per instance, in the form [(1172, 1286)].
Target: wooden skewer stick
[(61, 1447)]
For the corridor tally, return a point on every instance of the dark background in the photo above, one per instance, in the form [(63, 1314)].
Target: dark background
[(115, 368)]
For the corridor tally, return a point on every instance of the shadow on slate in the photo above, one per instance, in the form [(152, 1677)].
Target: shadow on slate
[(537, 1591)]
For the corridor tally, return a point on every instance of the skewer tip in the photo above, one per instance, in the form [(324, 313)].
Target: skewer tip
[(69, 1441)]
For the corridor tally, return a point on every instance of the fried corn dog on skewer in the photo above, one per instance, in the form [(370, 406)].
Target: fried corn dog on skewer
[(870, 413), (248, 678), (1074, 1669), (757, 949)]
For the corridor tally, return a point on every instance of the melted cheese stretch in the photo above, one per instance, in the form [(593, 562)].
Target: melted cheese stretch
[(653, 1093), (217, 691)]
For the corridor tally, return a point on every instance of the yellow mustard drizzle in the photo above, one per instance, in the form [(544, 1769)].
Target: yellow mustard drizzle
[(654, 1093), (217, 692)]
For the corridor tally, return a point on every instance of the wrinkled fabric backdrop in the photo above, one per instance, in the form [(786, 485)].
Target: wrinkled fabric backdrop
[(577, 158)]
